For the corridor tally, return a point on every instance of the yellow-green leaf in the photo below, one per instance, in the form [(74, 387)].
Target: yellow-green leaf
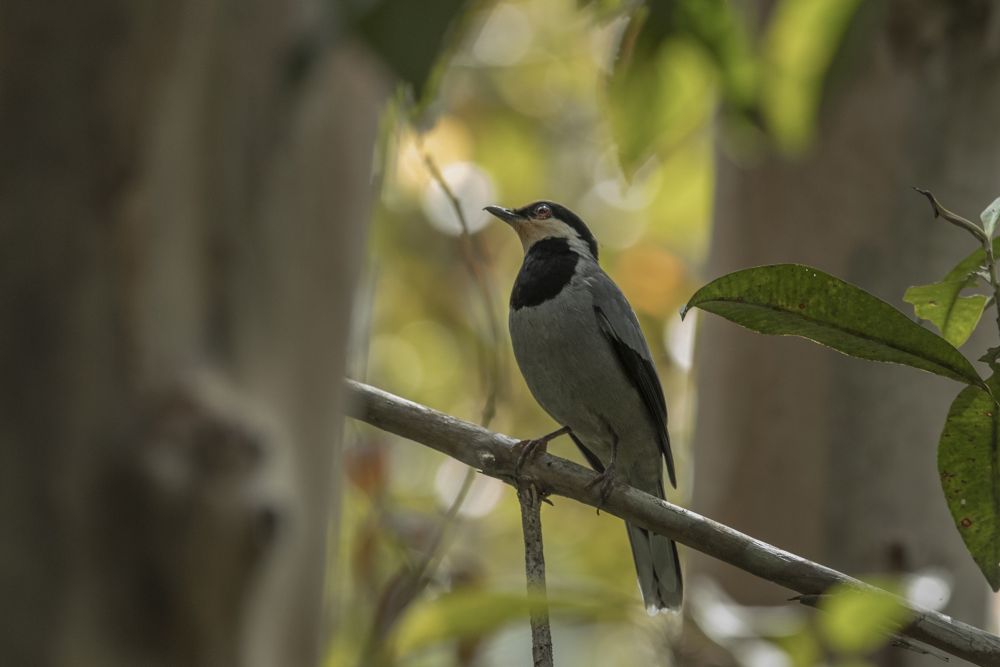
[(859, 621), (940, 303), (473, 613)]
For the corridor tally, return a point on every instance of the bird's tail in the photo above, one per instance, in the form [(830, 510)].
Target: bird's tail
[(657, 565), (658, 568)]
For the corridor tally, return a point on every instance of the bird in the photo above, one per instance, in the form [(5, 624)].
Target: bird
[(585, 360)]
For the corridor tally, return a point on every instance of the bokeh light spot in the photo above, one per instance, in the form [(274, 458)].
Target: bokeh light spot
[(474, 189)]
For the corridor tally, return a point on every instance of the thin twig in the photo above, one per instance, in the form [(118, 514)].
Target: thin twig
[(953, 218), (474, 260), (494, 455), (421, 573), (534, 570)]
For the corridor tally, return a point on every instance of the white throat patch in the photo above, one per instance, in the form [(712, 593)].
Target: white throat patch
[(532, 231)]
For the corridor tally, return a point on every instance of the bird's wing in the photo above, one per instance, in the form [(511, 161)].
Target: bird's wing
[(621, 328)]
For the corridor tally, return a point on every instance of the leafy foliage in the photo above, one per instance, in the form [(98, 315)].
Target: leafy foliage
[(970, 477), (774, 85), (790, 299), (798, 300)]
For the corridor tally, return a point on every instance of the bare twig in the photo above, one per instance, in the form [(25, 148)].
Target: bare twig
[(475, 262), (421, 574), (954, 218), (534, 569), (494, 455)]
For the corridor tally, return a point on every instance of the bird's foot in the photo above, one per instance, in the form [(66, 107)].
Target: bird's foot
[(529, 449), (605, 481)]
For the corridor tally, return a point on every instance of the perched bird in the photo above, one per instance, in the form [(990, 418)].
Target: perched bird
[(585, 360)]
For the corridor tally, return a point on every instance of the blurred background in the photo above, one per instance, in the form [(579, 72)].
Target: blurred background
[(211, 212)]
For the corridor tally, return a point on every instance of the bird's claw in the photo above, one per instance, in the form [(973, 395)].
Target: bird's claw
[(605, 481), (527, 450)]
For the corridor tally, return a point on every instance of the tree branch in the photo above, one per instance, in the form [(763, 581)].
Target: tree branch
[(492, 453)]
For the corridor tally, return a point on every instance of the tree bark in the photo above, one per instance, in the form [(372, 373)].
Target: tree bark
[(182, 205), (787, 431)]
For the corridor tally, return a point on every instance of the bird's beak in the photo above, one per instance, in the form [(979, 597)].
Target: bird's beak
[(505, 214)]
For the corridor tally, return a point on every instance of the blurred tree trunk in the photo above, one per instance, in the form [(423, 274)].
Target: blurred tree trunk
[(828, 456), (183, 192)]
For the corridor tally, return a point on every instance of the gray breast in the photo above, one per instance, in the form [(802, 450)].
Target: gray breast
[(573, 372)]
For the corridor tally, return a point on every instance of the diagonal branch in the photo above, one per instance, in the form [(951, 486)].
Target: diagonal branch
[(493, 454)]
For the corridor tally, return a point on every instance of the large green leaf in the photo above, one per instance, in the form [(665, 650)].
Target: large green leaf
[(970, 475), (795, 300)]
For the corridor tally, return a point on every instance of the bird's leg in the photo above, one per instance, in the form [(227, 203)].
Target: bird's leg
[(528, 449), (606, 479)]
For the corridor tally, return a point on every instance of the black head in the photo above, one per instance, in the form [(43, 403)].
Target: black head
[(545, 219)]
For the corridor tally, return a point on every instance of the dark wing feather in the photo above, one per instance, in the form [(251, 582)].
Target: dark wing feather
[(592, 459), (641, 373)]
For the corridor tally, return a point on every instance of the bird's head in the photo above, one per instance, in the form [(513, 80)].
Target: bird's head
[(546, 220)]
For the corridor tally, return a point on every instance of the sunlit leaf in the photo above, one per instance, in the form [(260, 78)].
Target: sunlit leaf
[(474, 613), (859, 621), (955, 316), (798, 47), (990, 216), (670, 51), (970, 474), (795, 300)]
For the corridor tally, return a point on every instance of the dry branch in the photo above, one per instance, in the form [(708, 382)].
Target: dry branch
[(492, 453)]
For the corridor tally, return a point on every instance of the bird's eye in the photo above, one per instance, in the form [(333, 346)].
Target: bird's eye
[(542, 211)]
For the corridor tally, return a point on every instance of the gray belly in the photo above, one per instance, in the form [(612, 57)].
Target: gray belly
[(573, 373)]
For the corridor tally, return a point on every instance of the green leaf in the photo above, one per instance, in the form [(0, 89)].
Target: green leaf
[(990, 216), (859, 621), (991, 356), (955, 316), (473, 613), (796, 300), (972, 263), (970, 475), (411, 36)]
